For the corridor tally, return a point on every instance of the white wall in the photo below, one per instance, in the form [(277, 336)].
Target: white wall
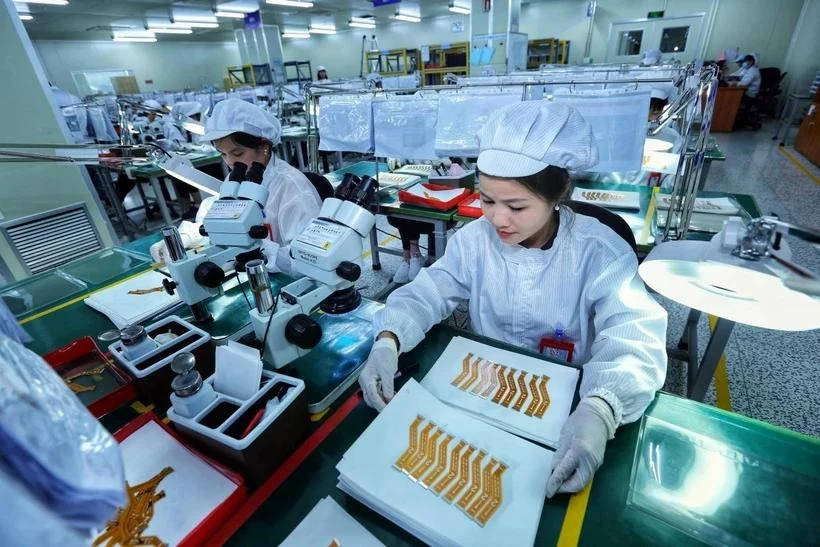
[(802, 62), (341, 52), (562, 19), (171, 65)]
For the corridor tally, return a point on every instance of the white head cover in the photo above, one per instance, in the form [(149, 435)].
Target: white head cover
[(151, 103), (651, 57), (524, 138), (321, 68), (188, 108), (235, 115), (660, 93)]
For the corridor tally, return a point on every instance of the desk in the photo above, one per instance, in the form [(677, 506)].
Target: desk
[(154, 173), (727, 103), (785, 502)]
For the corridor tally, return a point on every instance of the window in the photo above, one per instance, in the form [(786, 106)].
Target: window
[(629, 42), (673, 39)]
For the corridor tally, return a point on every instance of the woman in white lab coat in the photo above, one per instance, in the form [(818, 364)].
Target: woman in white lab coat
[(246, 133), (531, 266)]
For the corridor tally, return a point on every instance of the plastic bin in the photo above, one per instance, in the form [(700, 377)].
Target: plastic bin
[(225, 429), (152, 370)]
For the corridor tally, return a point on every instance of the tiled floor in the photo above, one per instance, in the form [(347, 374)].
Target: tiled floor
[(773, 376)]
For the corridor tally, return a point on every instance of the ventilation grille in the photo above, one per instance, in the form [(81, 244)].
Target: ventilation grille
[(47, 240)]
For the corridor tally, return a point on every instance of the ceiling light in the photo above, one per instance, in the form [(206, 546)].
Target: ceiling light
[(48, 2), (408, 18), (133, 39), (291, 3), (356, 24), (134, 33), (231, 14), (172, 31), (322, 30), (25, 16), (459, 9), (295, 34)]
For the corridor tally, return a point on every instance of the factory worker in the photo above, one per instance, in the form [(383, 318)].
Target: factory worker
[(748, 75), (530, 266), (175, 135), (321, 73), (151, 124), (651, 57), (246, 133)]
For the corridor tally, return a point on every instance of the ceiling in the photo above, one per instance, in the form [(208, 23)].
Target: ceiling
[(94, 19)]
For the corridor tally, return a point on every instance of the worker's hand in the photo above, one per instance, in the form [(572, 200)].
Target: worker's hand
[(159, 252), (581, 446), (271, 251), (377, 375)]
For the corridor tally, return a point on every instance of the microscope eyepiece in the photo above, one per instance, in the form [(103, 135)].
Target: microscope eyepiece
[(238, 172)]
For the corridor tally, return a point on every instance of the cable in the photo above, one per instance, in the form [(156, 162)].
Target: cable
[(394, 235), (239, 281), (267, 328)]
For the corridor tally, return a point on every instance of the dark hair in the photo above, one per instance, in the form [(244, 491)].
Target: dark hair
[(656, 104), (551, 183), (749, 58), (248, 141)]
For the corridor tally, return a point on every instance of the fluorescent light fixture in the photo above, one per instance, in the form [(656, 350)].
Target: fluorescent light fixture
[(134, 34), (180, 167), (230, 14), (362, 22), (459, 9), (408, 18), (295, 34), (49, 2), (290, 3), (161, 30), (133, 39), (322, 30), (25, 16)]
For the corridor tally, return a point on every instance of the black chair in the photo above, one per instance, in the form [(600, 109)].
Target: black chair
[(607, 218), (322, 185), (752, 110)]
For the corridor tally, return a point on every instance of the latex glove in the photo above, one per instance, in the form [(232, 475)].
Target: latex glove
[(377, 375), (271, 251), (191, 238), (581, 446)]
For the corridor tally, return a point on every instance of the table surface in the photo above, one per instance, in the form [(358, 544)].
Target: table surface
[(780, 466)]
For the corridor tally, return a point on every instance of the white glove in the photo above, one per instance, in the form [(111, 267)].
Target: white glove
[(189, 232), (377, 375), (271, 251), (581, 446)]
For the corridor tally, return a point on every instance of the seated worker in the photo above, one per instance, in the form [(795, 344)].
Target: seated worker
[(177, 138), (246, 133), (410, 231), (748, 76), (531, 264), (321, 73)]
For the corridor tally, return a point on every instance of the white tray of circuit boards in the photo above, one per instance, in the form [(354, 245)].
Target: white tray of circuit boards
[(611, 199), (396, 181), (466, 482)]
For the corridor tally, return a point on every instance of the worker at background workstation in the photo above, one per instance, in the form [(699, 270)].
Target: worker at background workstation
[(748, 76), (178, 138), (246, 133), (149, 124), (531, 266), (321, 73)]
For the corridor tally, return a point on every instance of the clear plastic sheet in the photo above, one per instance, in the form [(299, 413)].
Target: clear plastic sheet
[(53, 444), (405, 127), (346, 123), (461, 115)]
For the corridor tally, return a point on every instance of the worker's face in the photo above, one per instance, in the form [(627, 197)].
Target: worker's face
[(518, 215), (322, 75), (232, 152)]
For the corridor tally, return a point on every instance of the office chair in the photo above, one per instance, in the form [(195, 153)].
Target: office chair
[(607, 218), (322, 185), (764, 104)]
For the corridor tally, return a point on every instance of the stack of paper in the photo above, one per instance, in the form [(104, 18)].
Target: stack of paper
[(133, 300), (438, 195), (328, 524), (608, 198), (504, 388), (465, 483)]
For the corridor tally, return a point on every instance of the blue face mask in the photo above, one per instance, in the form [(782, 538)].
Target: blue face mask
[(747, 64)]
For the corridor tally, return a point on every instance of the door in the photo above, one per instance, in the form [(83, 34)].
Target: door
[(680, 38)]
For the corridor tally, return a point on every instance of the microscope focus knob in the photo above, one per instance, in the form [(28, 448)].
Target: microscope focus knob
[(349, 271), (303, 331), (169, 286), (209, 275), (260, 231), (202, 231)]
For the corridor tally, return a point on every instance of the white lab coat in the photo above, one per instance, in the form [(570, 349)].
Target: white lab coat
[(292, 203), (174, 135), (749, 77), (587, 283)]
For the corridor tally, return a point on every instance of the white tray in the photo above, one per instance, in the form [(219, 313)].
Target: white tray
[(611, 199)]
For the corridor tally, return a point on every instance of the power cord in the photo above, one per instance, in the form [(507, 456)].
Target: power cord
[(267, 328), (241, 286)]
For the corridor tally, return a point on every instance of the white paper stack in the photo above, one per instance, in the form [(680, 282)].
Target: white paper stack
[(438, 195), (192, 490), (561, 389), (125, 309), (611, 199), (367, 473), (328, 522)]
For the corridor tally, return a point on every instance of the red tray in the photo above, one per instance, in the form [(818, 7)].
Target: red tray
[(217, 518), (467, 209), (114, 388), (407, 197)]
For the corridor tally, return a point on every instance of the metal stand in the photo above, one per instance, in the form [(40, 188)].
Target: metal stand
[(699, 375)]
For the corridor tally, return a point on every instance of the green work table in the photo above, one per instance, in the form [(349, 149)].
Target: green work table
[(685, 474)]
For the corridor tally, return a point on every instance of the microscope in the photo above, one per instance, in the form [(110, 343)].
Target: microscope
[(327, 253), (235, 225)]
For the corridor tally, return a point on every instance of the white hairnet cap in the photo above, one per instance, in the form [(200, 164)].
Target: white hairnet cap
[(651, 57), (320, 68), (188, 108), (235, 115), (524, 138), (151, 103), (660, 93)]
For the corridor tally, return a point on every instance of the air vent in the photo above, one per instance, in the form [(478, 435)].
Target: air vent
[(50, 239)]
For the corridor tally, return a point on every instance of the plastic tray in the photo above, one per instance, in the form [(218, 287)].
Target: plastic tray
[(114, 387), (412, 199), (471, 206)]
